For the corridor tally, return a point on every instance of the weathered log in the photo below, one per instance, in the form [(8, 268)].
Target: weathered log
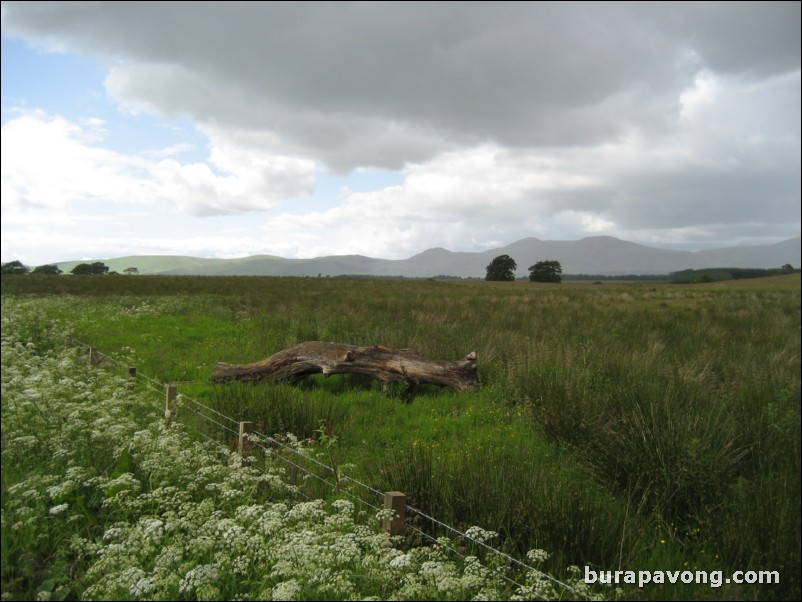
[(389, 365)]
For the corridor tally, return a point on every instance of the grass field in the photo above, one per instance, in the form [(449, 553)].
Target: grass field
[(635, 426)]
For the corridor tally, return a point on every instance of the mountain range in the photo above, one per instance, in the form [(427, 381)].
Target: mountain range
[(596, 255)]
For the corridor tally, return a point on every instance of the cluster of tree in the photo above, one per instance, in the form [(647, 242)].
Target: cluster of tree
[(47, 269), (17, 267), (503, 267), (96, 268)]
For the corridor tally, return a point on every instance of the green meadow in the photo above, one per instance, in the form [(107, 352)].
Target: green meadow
[(646, 426)]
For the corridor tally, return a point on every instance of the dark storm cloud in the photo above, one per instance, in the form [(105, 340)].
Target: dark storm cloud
[(423, 76), (759, 38)]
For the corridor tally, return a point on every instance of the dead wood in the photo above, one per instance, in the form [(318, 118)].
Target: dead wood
[(389, 365)]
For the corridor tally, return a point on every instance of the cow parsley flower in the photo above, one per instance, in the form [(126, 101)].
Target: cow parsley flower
[(401, 562), (537, 555), (286, 590), (479, 534)]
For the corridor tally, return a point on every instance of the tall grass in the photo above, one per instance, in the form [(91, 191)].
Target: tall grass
[(633, 426)]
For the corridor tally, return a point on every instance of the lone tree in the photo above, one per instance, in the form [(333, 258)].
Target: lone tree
[(501, 268), (50, 269), (546, 271), (131, 271)]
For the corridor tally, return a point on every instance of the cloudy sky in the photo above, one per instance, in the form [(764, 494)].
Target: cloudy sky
[(225, 129)]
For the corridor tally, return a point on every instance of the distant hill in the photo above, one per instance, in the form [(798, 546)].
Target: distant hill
[(597, 255)]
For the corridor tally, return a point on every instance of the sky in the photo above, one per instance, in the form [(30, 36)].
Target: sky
[(304, 129)]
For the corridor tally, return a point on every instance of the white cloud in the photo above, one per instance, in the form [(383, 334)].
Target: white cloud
[(52, 164), (169, 151), (49, 164), (464, 200)]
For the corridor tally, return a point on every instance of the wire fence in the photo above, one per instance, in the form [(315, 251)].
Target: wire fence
[(299, 459)]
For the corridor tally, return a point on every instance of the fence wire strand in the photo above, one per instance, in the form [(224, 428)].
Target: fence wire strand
[(150, 380), (321, 464), (456, 552), (504, 555), (294, 451), (212, 410), (213, 421), (153, 386), (271, 453)]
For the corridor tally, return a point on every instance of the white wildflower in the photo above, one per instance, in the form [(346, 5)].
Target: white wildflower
[(343, 506), (112, 533), (386, 514), (537, 555), (401, 562), (64, 488), (287, 590), (479, 534), (152, 528), (204, 574), (136, 581)]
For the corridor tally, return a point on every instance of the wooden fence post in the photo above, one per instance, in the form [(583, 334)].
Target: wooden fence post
[(395, 500), (68, 342), (169, 402), (244, 446), (94, 358), (131, 378)]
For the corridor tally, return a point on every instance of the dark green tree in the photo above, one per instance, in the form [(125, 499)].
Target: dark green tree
[(100, 268), (96, 268), (14, 267), (131, 271), (47, 269), (501, 268), (81, 269), (546, 271)]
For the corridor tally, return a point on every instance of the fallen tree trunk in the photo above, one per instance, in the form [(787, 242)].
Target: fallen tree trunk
[(389, 365)]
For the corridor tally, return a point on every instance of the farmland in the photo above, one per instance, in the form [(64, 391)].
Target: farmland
[(636, 426)]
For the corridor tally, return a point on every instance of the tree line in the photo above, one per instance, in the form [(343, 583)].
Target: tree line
[(719, 274), (97, 268), (503, 267)]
